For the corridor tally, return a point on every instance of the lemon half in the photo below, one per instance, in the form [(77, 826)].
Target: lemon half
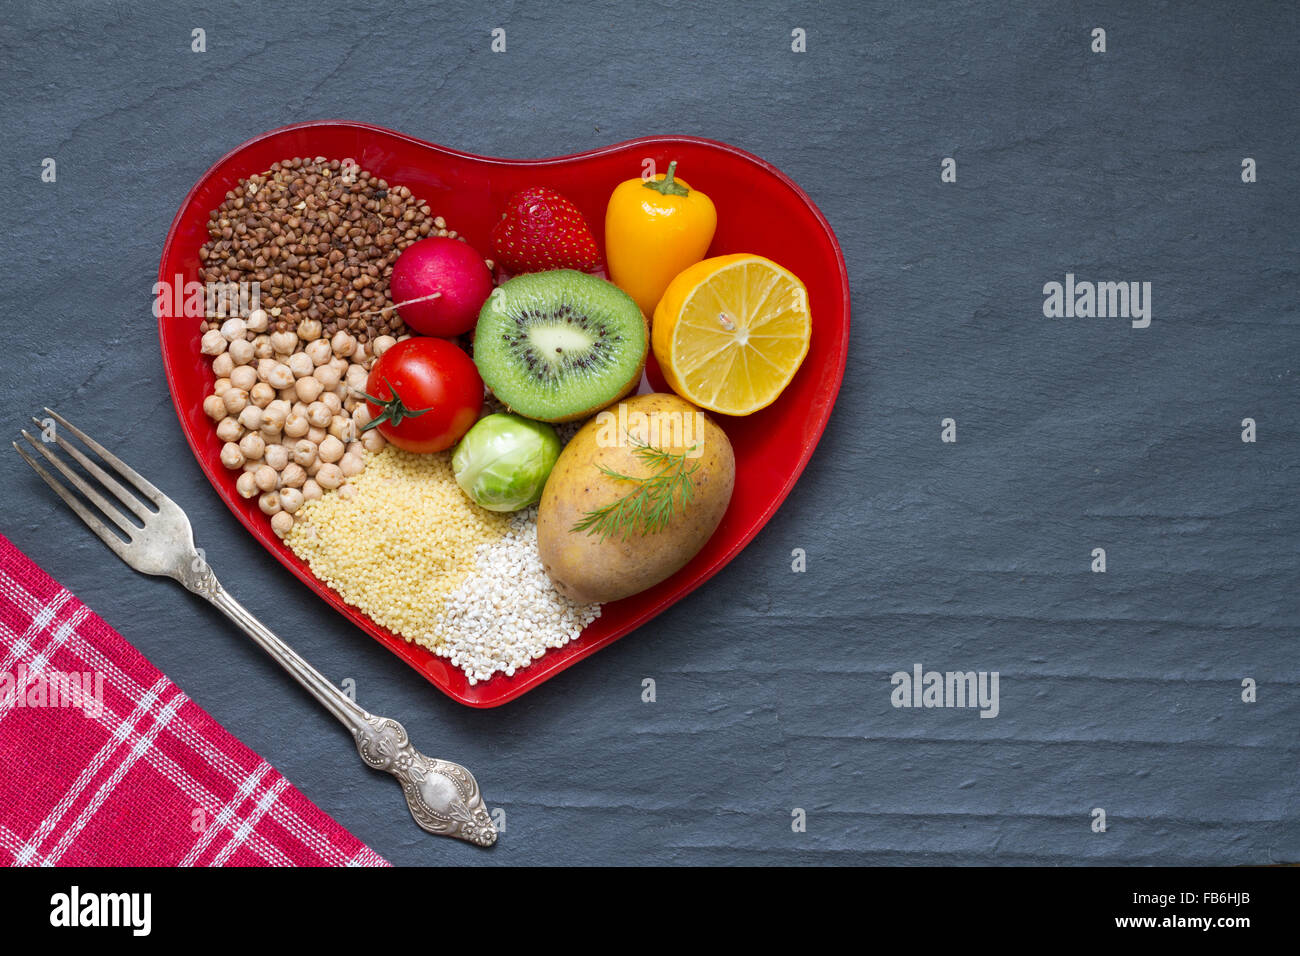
[(730, 332)]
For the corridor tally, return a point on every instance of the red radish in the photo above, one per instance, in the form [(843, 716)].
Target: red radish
[(439, 285)]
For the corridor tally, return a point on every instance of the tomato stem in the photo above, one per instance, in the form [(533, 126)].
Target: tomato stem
[(393, 408)]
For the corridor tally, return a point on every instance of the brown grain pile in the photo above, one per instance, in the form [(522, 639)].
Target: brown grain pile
[(320, 237)]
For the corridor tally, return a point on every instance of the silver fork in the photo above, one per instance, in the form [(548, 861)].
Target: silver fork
[(444, 797)]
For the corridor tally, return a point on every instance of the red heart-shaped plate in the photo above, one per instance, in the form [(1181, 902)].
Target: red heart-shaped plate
[(760, 210)]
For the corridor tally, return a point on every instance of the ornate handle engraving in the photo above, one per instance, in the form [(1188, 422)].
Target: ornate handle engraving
[(444, 797)]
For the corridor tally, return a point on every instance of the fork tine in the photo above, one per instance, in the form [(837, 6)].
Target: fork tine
[(95, 524), (109, 482), (130, 474), (113, 514)]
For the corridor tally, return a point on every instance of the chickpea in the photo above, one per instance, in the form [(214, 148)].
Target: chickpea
[(362, 355), (275, 413), (373, 441), (318, 352), (361, 416), (288, 395), (382, 345), (314, 467), (281, 523), (243, 376), (355, 377), (284, 342), (347, 492), (262, 395), (343, 429), (319, 415), (351, 465), (328, 376), (252, 445), (222, 365), (220, 385), (291, 499), (246, 485), (262, 348), (304, 453), (277, 456), (296, 425), (231, 456), (340, 365), (280, 377), (212, 343), (264, 368), (329, 476), (214, 408), (241, 352), (309, 330), (270, 435), (251, 417), (267, 478), (236, 399), (316, 435), (330, 450), (310, 490), (257, 321), (293, 476), (269, 502), (232, 329), (332, 402), (300, 364), (343, 344), (229, 430), (309, 388)]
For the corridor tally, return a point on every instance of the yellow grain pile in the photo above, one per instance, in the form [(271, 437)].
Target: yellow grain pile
[(399, 543)]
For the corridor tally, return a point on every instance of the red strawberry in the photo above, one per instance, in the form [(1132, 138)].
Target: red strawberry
[(542, 230)]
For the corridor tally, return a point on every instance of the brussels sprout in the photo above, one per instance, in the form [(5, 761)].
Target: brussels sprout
[(503, 462)]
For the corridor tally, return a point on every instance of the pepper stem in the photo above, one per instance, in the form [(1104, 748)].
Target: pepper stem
[(668, 186), (393, 410)]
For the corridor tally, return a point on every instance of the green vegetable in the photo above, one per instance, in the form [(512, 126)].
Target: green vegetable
[(503, 462), (649, 507)]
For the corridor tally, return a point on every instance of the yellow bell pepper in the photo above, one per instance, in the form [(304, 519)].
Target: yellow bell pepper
[(654, 229)]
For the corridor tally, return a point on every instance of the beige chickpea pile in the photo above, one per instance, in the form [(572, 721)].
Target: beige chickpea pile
[(286, 407)]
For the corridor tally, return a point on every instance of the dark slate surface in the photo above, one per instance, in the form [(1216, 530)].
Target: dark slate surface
[(1118, 690)]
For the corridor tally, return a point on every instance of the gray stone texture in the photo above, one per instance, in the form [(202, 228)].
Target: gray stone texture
[(1118, 690)]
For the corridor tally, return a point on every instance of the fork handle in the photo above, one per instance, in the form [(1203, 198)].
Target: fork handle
[(443, 797)]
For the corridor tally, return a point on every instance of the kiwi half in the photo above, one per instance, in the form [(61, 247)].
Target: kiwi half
[(560, 345)]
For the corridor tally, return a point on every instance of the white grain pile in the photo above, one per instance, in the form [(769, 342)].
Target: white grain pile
[(507, 613)]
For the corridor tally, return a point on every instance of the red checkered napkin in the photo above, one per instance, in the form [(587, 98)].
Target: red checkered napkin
[(105, 762)]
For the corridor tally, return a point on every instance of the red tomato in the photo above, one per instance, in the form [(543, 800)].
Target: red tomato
[(424, 393)]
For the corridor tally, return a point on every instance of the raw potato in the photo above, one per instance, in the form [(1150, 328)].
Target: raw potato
[(582, 566)]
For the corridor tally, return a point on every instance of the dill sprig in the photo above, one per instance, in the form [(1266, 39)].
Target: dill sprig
[(652, 503)]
